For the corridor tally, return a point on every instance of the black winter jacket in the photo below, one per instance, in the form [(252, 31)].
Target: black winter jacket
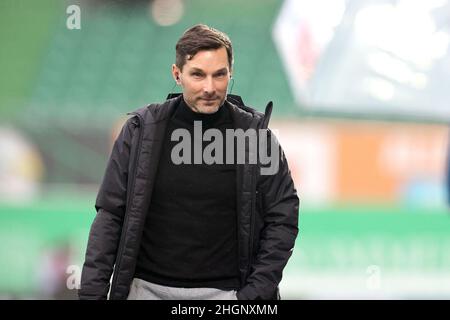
[(267, 208)]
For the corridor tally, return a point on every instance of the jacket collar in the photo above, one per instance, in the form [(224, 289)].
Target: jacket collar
[(237, 100), (243, 116)]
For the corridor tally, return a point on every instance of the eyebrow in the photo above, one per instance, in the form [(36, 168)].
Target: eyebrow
[(194, 69)]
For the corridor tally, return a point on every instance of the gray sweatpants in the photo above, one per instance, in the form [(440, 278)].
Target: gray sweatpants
[(144, 290)]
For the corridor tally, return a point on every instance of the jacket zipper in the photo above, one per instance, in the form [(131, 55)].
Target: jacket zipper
[(253, 207), (252, 222), (261, 125), (125, 223)]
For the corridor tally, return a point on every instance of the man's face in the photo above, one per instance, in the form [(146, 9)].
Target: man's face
[(204, 80)]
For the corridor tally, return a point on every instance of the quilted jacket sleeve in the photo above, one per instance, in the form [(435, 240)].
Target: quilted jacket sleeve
[(105, 232)]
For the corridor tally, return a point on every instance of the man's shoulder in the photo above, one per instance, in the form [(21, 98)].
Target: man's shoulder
[(244, 114), (237, 101), (249, 111), (157, 111)]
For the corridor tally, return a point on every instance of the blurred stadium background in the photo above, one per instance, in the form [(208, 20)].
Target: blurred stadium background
[(361, 104)]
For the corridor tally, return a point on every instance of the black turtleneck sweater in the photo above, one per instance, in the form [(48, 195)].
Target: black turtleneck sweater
[(190, 233)]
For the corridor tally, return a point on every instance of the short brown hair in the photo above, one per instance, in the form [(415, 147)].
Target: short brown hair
[(201, 37)]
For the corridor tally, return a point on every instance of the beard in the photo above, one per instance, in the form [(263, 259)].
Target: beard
[(207, 105)]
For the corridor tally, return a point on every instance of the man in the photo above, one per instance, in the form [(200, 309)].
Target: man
[(173, 226)]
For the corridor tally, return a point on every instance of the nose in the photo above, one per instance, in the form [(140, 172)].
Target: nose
[(208, 87)]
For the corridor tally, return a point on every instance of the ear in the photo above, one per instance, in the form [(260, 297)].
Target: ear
[(176, 73)]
